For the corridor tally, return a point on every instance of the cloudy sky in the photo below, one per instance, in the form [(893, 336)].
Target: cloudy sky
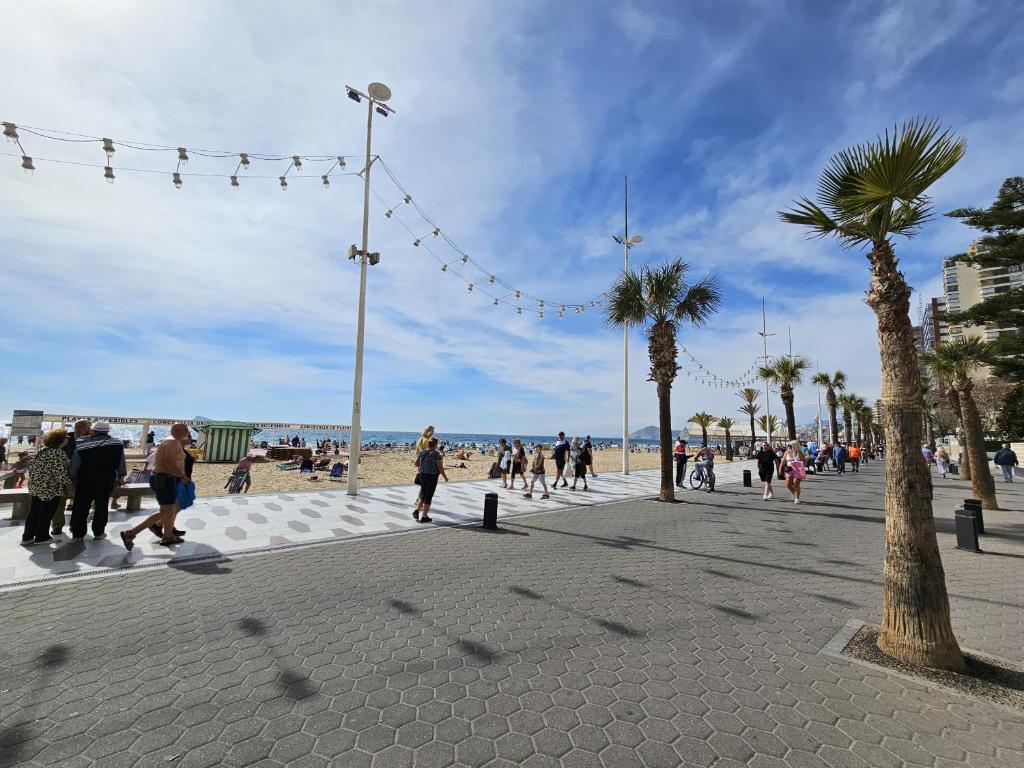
[(515, 125)]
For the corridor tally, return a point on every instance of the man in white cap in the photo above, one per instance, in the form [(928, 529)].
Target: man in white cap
[(97, 466)]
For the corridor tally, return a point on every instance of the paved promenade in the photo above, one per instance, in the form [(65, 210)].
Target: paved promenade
[(627, 634), (229, 525)]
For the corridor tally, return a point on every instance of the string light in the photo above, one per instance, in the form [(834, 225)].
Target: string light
[(234, 182), (283, 181), (182, 156), (388, 213), (407, 199), (444, 267), (519, 310), (297, 162), (436, 232), (108, 148), (491, 279), (495, 302), (469, 287), (518, 294), (416, 242), (108, 174), (325, 181), (341, 162), (11, 132), (243, 160), (465, 259), (26, 163), (176, 178)]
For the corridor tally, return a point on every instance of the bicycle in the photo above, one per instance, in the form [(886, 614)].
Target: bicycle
[(699, 476)]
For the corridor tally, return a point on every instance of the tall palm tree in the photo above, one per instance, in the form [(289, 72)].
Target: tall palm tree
[(750, 396), (659, 300), (868, 194), (857, 406), (769, 425), (866, 417), (832, 383), (786, 372), (727, 423), (703, 419), (954, 362), (848, 402), (958, 412)]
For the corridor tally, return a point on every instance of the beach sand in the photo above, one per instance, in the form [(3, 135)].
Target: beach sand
[(377, 469)]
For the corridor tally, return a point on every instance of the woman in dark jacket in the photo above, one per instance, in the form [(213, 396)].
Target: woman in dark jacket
[(767, 465)]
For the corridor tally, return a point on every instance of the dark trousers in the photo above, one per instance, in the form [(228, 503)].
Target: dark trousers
[(85, 497), (37, 523), (680, 471)]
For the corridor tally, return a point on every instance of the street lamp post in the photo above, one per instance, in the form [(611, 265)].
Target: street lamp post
[(764, 333), (626, 242), (376, 95)]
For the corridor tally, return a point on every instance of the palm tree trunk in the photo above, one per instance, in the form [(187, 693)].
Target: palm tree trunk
[(833, 421), (728, 445), (859, 432), (661, 346), (982, 484), (847, 426), (929, 430), (916, 627), (668, 490), (752, 436), (787, 401)]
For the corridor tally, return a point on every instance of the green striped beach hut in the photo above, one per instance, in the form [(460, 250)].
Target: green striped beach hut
[(224, 440)]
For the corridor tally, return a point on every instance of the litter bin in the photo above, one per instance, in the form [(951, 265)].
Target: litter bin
[(746, 478), (966, 530), (975, 506), (490, 510)]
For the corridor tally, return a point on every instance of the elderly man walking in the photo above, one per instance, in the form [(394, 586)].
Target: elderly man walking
[(173, 466), (96, 467), (1006, 460)]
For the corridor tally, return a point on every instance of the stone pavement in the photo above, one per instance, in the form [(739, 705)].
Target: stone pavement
[(630, 634), (228, 525)]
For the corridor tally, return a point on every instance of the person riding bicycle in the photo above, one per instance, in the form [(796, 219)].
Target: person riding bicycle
[(705, 459)]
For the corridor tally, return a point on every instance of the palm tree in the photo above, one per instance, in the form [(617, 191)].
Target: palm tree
[(954, 405), (953, 362), (786, 372), (857, 406), (832, 383), (866, 417), (659, 300), (703, 420), (749, 396), (727, 423), (848, 402), (868, 194), (769, 425)]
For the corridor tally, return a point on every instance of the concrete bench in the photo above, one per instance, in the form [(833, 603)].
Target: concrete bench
[(22, 499)]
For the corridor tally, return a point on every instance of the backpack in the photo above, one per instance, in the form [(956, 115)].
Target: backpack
[(495, 472)]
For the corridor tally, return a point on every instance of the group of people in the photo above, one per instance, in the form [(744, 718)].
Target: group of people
[(1005, 458), (704, 458), (788, 465)]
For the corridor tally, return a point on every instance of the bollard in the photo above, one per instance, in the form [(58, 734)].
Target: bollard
[(746, 478), (954, 469), (966, 530), (490, 510), (975, 506)]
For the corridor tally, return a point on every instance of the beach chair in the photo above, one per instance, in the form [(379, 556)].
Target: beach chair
[(236, 481), (337, 471)]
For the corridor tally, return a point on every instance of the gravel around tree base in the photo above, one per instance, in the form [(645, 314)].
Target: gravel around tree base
[(986, 678)]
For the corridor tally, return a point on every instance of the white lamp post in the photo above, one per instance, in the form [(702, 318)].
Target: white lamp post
[(376, 94), (626, 242), (764, 333)]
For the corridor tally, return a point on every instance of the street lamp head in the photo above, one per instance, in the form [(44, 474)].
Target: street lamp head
[(635, 240), (379, 92), (354, 95)]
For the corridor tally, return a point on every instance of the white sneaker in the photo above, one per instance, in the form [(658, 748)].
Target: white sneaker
[(796, 501), (764, 498), (769, 497)]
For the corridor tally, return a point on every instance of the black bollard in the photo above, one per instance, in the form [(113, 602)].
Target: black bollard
[(966, 530), (975, 506), (490, 510), (746, 478)]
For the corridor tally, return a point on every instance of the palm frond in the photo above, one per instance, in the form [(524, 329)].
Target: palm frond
[(701, 301), (626, 305)]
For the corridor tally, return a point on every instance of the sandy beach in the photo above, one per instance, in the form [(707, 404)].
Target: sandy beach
[(391, 468)]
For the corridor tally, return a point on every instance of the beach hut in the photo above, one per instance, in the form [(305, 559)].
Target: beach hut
[(224, 440)]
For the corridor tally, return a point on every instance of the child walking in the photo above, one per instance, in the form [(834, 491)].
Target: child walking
[(582, 460), (537, 468)]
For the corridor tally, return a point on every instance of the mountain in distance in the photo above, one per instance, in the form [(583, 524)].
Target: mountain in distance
[(651, 433)]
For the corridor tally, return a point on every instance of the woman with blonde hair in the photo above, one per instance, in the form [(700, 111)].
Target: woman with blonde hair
[(423, 444), (47, 482), (793, 469)]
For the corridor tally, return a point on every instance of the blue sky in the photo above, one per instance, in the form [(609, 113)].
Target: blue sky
[(515, 125)]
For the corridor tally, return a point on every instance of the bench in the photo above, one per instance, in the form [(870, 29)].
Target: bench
[(22, 499)]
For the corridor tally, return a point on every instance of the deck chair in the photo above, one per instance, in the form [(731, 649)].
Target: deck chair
[(337, 471)]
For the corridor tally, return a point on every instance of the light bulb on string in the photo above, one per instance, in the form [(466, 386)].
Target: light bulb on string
[(495, 302), (26, 163), (176, 178), (491, 279), (244, 160), (436, 231), (327, 183), (297, 162), (469, 287), (465, 258), (341, 162), (108, 174), (517, 295), (519, 310), (541, 314), (407, 199), (108, 147), (444, 267), (11, 132), (283, 181), (182, 155), (234, 182), (416, 243), (388, 213)]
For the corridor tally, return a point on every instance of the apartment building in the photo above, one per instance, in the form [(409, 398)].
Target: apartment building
[(965, 285), (934, 329)]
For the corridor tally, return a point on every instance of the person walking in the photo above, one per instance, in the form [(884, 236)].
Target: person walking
[(431, 465), (172, 467), (48, 479), (1006, 460), (423, 444), (559, 454), (96, 468), (537, 470), (519, 463), (839, 458), (679, 454), (854, 452), (589, 445), (504, 461), (942, 460), (581, 461), (767, 466), (793, 469)]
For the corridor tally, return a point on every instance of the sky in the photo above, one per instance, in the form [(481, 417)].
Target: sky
[(514, 126)]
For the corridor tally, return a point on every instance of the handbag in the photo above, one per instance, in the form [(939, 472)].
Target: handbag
[(418, 481)]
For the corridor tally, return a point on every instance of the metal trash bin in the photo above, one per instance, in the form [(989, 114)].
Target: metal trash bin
[(490, 510), (966, 530), (975, 506), (746, 478)]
